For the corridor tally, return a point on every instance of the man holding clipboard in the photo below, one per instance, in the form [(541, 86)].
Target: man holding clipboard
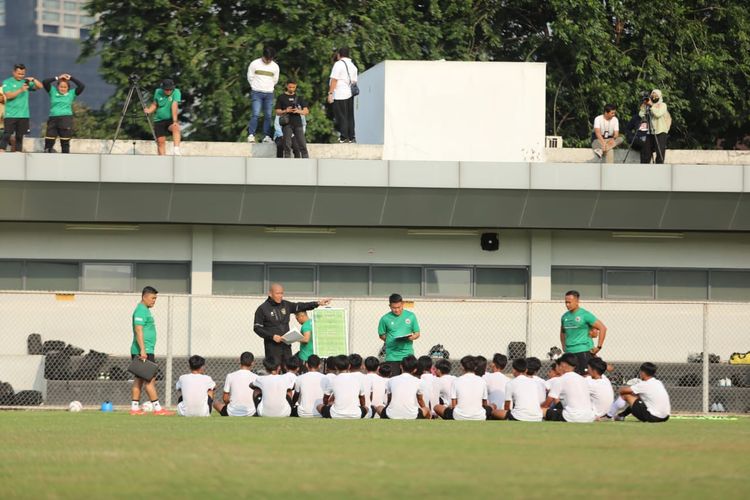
[(398, 329)]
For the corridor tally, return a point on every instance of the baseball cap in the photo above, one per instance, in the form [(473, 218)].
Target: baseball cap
[(167, 84)]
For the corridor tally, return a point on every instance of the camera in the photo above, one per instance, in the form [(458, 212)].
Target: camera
[(645, 96), (28, 81), (133, 78)]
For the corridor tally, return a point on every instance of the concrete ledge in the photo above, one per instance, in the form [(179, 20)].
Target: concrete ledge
[(209, 170), (425, 174), (696, 178), (12, 167), (636, 177), (371, 173), (559, 176), (480, 175), (281, 172), (147, 169), (60, 167)]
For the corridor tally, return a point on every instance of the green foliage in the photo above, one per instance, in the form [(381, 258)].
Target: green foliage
[(597, 51)]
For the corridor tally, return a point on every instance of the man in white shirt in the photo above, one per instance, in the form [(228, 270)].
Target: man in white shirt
[(606, 136), (468, 396), (196, 390), (444, 381), (276, 390), (238, 396), (376, 382), (343, 74), (430, 389), (496, 381), (344, 395), (308, 390), (600, 388), (263, 75), (533, 365), (647, 400), (521, 396), (572, 392), (405, 394)]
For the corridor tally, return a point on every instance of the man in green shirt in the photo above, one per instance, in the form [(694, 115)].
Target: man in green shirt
[(398, 329), (165, 104), (16, 90), (578, 329), (142, 347), (306, 344)]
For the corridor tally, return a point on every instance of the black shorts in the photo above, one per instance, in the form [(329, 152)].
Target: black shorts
[(448, 413), (149, 356), (161, 128), (60, 126), (384, 414), (295, 412), (554, 414), (509, 416), (224, 411), (18, 126), (582, 361), (640, 411), (325, 412)]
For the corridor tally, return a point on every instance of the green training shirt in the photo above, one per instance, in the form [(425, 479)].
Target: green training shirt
[(306, 350), (396, 328), (61, 104), (164, 104), (142, 316), (18, 107), (576, 326)]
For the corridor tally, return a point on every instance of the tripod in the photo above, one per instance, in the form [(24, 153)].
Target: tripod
[(659, 154), (134, 88)]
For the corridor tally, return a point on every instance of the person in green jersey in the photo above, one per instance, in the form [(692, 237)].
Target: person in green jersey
[(60, 122), (398, 329), (166, 105), (306, 344), (16, 91), (578, 329), (142, 347)]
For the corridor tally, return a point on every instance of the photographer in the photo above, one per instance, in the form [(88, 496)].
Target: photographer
[(290, 109), (60, 123), (166, 100), (606, 134), (16, 90), (654, 112)]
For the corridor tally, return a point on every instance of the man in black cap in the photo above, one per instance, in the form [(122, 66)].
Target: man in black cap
[(166, 100), (272, 320)]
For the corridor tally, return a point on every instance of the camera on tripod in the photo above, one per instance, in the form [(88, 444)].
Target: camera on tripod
[(645, 96), (133, 79)]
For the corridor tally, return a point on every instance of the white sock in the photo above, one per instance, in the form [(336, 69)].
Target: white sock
[(134, 405), (157, 406), (617, 406)]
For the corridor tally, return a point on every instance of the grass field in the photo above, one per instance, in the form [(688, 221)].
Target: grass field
[(99, 455)]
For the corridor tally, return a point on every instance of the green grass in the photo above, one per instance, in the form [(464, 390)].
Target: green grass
[(97, 455)]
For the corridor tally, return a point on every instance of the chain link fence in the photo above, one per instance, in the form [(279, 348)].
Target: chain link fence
[(59, 348)]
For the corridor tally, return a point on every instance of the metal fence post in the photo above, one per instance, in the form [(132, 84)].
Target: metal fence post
[(168, 375), (706, 381)]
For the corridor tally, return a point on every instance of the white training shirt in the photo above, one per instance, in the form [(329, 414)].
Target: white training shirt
[(377, 386), (469, 390), (346, 389), (523, 393), (607, 127), (343, 81), (431, 390), (445, 384), (310, 389), (194, 387), (573, 392), (262, 77), (655, 396), (292, 377), (541, 386), (403, 390), (237, 385), (273, 402), (602, 395), (496, 382), (552, 383)]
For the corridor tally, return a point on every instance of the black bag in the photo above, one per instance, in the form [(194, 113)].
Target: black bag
[(6, 394), (53, 345), (90, 366), (143, 368), (352, 85), (285, 120), (57, 366), (34, 344), (516, 350), (72, 350), (27, 398)]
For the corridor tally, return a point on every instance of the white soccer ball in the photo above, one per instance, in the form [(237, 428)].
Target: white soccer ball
[(75, 406), (147, 406)]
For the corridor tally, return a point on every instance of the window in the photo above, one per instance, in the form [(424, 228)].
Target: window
[(70, 6), (68, 32), (48, 28), (587, 282), (406, 281), (448, 282), (52, 276), (238, 279), (50, 16), (730, 285), (510, 283), (299, 280), (107, 277), (165, 277), (70, 19), (344, 281), (51, 4), (11, 275), (681, 285), (625, 284)]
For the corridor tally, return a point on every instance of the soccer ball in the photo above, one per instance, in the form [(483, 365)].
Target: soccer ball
[(147, 406), (75, 406)]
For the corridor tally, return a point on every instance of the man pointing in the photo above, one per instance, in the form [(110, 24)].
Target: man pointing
[(272, 320)]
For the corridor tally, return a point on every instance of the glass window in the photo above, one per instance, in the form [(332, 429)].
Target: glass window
[(238, 279), (69, 32), (11, 275), (730, 285), (70, 19), (294, 279), (70, 6), (681, 285), (48, 28), (342, 281), (623, 284), (448, 282), (85, 20), (52, 276), (50, 16), (501, 282), (51, 4), (108, 277), (587, 282), (165, 277), (406, 281)]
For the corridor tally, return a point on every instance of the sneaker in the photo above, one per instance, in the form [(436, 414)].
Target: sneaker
[(619, 418), (604, 418), (598, 152), (251, 139), (137, 412), (267, 139), (342, 141), (163, 412)]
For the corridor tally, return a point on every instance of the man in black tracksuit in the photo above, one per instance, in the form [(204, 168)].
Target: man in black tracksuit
[(272, 320)]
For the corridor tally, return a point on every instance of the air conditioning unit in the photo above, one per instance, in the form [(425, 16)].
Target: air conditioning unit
[(553, 141)]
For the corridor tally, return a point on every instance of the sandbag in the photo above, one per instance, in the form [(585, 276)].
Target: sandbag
[(57, 366), (27, 398), (34, 344), (90, 366), (53, 345), (6, 394)]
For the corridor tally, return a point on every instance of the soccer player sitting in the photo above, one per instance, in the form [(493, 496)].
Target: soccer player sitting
[(344, 395), (405, 396), (196, 390), (521, 396), (238, 397), (496, 381), (647, 400), (376, 383), (308, 390), (444, 381), (553, 381), (600, 388), (429, 385), (275, 389), (533, 365), (573, 392), (468, 396)]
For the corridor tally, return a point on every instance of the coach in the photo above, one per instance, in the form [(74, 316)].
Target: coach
[(272, 320), (398, 329), (575, 328)]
